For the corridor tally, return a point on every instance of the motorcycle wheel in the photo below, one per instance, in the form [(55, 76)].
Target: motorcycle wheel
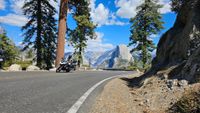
[(57, 71), (67, 70)]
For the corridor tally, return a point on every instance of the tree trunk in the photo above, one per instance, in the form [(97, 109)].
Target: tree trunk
[(80, 57), (61, 31), (39, 31)]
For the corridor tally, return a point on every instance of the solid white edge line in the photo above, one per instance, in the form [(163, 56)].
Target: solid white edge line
[(81, 100)]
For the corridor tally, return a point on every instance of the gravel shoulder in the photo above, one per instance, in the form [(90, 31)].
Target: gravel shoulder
[(115, 98), (155, 95)]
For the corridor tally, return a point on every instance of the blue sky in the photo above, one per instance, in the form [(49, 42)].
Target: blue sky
[(112, 17)]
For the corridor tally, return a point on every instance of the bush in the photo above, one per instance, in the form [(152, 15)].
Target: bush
[(85, 65), (24, 64), (132, 68)]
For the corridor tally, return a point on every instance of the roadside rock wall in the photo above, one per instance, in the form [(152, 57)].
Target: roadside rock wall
[(180, 46)]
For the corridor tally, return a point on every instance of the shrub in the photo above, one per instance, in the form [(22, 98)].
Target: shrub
[(24, 64), (133, 68)]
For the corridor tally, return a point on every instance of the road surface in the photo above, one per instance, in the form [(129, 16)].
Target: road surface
[(46, 92)]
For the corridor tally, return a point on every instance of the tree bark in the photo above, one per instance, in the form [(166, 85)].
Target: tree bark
[(39, 32), (61, 31)]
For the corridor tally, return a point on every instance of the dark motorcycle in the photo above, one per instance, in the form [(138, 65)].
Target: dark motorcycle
[(67, 66)]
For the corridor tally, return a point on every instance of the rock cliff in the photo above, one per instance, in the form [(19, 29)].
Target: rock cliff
[(180, 46)]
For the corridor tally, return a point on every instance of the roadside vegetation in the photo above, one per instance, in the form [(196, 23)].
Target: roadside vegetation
[(24, 64), (9, 52)]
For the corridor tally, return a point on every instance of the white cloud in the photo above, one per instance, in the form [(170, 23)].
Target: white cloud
[(127, 8), (166, 6), (14, 19), (17, 6), (102, 15), (113, 21), (2, 5), (98, 44), (17, 18)]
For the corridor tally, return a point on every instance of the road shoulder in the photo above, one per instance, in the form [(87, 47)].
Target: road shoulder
[(115, 98)]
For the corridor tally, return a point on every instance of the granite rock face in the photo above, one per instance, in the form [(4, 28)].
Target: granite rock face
[(180, 46), (119, 57)]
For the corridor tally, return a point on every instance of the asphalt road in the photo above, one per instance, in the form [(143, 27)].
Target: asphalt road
[(45, 92)]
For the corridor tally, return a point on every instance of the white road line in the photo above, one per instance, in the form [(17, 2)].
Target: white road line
[(81, 100)]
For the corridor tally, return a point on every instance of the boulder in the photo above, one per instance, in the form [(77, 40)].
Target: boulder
[(183, 83), (15, 67), (32, 68), (52, 69)]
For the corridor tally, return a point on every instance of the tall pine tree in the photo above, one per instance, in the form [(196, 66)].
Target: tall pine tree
[(40, 30), (85, 27), (147, 22)]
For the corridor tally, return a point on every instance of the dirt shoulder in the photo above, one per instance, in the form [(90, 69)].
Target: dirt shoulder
[(115, 98), (156, 95)]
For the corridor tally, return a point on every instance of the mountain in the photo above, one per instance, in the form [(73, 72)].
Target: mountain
[(118, 57), (89, 57)]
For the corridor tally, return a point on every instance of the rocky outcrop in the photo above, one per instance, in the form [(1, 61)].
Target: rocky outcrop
[(180, 46), (32, 68), (15, 67)]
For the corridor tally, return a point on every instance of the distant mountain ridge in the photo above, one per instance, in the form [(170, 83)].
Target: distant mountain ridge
[(118, 57)]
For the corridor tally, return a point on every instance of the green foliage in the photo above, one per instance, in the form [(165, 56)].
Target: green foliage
[(133, 68), (189, 103), (10, 51), (138, 64), (86, 66), (40, 30), (147, 22), (24, 64), (85, 27)]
